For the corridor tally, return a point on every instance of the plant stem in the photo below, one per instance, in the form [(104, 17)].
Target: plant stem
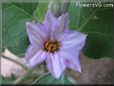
[(40, 77), (23, 66), (21, 78), (62, 78)]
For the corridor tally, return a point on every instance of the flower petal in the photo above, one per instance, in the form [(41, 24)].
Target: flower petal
[(55, 26), (34, 56), (35, 32), (50, 20), (64, 22), (50, 23), (74, 65), (73, 39), (38, 58), (72, 58), (56, 65)]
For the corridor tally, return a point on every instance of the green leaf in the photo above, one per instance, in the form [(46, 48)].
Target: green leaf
[(49, 79), (4, 81), (14, 18), (29, 7), (41, 10), (98, 24)]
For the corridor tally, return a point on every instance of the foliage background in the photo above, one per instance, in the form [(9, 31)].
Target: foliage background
[(96, 22)]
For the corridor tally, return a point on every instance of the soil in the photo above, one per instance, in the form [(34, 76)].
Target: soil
[(94, 71)]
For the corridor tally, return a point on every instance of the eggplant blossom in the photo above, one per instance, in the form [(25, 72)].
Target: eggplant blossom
[(53, 42)]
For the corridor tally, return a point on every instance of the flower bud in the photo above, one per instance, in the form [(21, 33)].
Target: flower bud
[(58, 7)]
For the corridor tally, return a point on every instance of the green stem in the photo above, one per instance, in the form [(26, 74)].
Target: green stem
[(40, 77), (21, 78), (71, 80), (62, 78), (20, 64)]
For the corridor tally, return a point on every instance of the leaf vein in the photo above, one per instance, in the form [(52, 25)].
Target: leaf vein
[(22, 10)]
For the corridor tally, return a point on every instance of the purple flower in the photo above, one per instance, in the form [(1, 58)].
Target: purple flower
[(53, 42)]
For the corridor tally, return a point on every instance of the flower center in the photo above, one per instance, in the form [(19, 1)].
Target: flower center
[(51, 46)]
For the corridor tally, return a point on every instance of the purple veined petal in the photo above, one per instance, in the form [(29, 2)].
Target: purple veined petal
[(63, 22), (73, 39), (32, 52), (56, 65), (74, 65), (55, 26), (72, 58), (38, 58), (67, 54), (50, 23), (63, 36), (35, 32)]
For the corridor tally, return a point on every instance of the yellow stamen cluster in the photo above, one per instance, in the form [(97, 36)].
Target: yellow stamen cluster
[(51, 46)]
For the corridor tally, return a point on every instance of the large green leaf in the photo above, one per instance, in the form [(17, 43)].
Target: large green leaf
[(41, 10), (14, 18), (4, 81), (98, 24), (49, 79)]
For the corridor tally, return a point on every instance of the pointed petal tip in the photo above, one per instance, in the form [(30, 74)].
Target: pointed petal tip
[(77, 70), (85, 35), (26, 64), (27, 23), (30, 23), (57, 76), (80, 70), (55, 66), (66, 14), (49, 14)]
